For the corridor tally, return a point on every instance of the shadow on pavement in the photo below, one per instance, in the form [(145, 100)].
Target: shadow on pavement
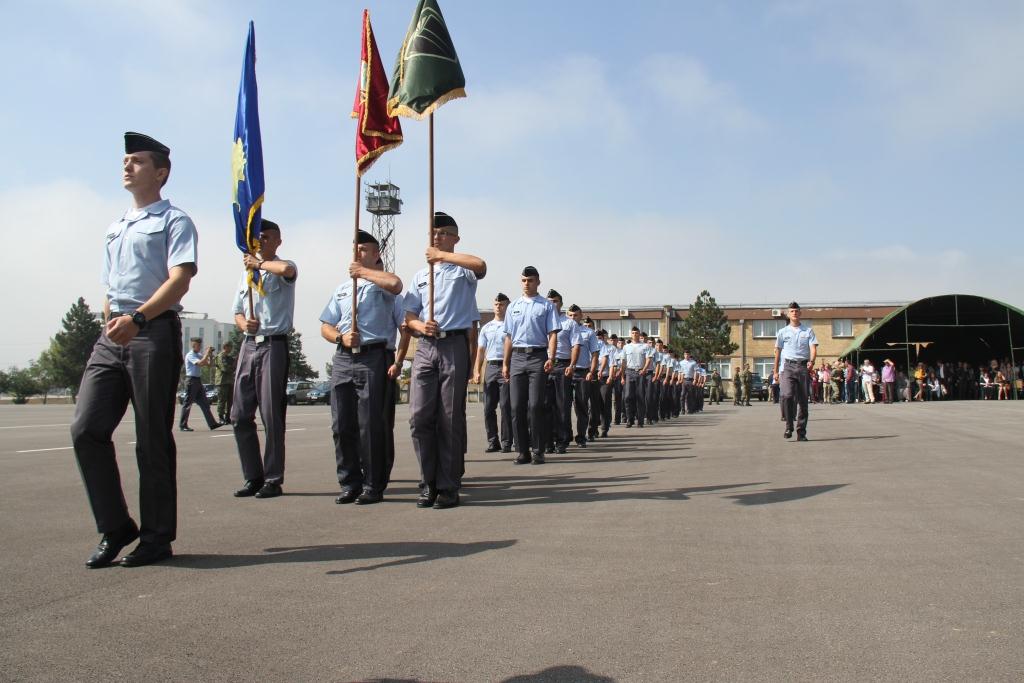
[(564, 672), (542, 490), (411, 552), (783, 495), (851, 438)]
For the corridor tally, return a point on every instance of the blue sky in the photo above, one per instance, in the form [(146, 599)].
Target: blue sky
[(636, 154)]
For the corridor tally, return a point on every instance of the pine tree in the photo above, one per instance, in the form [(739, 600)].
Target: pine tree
[(705, 331), (64, 362), (298, 367)]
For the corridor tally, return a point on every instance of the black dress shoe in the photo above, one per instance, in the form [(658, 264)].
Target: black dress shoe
[(215, 425), (187, 429), (368, 497), (538, 460), (629, 425), (801, 437), (493, 448), (560, 450), (251, 488), (146, 553), (604, 434), (269, 490), (522, 460), (347, 496), (111, 544), (446, 499), (787, 434), (427, 497), (506, 449)]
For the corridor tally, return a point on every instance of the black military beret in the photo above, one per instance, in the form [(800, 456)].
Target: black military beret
[(137, 142), (501, 297), (574, 308), (552, 294), (269, 225), (443, 220), (363, 237), (530, 271)]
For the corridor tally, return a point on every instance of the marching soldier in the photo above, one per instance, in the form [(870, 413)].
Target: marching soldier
[(261, 379), (635, 362), (617, 376), (149, 259), (605, 380), (559, 387), (441, 366), (531, 330), (195, 392), (359, 373), (490, 357), (796, 347), (584, 361)]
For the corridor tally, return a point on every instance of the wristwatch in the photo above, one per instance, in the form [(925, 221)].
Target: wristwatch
[(139, 319), (337, 339)]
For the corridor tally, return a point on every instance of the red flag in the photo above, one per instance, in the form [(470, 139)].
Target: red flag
[(377, 132)]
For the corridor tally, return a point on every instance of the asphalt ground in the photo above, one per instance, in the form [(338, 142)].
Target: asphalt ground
[(889, 547)]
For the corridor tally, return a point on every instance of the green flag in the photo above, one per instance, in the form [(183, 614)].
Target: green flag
[(427, 72)]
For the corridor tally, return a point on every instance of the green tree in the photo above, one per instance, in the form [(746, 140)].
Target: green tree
[(62, 364), (705, 330), (298, 367), (22, 383)]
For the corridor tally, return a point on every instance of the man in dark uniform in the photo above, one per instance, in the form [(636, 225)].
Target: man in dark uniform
[(531, 331), (359, 419), (224, 378), (584, 361), (634, 363), (149, 260), (559, 386), (441, 366)]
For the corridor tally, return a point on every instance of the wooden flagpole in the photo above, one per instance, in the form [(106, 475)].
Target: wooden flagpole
[(355, 257), (430, 220)]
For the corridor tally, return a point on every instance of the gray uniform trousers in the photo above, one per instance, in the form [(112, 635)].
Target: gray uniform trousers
[(437, 409), (391, 393), (527, 390), (632, 393), (558, 420), (793, 383), (195, 392), (596, 405), (359, 419), (261, 380), (606, 391), (617, 394), (145, 372), (496, 397), (581, 403)]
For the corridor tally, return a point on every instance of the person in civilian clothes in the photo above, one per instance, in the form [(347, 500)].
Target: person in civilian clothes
[(490, 357), (359, 380), (149, 259), (796, 348), (261, 378), (441, 366), (531, 340)]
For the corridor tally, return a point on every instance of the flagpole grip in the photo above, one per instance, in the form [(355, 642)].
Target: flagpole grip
[(430, 218)]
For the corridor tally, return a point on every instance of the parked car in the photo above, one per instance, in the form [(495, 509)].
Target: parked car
[(758, 387), (211, 394), (320, 393), (298, 392)]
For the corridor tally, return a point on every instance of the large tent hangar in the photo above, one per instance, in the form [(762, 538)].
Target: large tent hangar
[(950, 327)]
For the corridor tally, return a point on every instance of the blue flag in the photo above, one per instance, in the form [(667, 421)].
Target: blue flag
[(247, 159)]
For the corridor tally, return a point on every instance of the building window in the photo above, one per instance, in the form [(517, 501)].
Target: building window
[(622, 326), (723, 366), (763, 366), (842, 327), (766, 329)]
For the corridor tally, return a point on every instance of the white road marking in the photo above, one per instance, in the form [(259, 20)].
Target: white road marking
[(63, 424), (43, 450), (296, 429), (220, 436)]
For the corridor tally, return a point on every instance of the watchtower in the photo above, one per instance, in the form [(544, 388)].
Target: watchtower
[(384, 201)]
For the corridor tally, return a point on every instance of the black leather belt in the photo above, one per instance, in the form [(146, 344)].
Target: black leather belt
[(495, 362), (452, 333), (363, 348), (527, 349), (797, 360), (260, 338), (163, 316)]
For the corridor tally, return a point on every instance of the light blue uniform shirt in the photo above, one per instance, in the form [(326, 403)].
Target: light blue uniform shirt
[(529, 321), (140, 250), (492, 340), (687, 367), (634, 354), (589, 344), (376, 312), (566, 335), (191, 369), (454, 296), (275, 308), (649, 352), (796, 342), (605, 351), (398, 318)]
